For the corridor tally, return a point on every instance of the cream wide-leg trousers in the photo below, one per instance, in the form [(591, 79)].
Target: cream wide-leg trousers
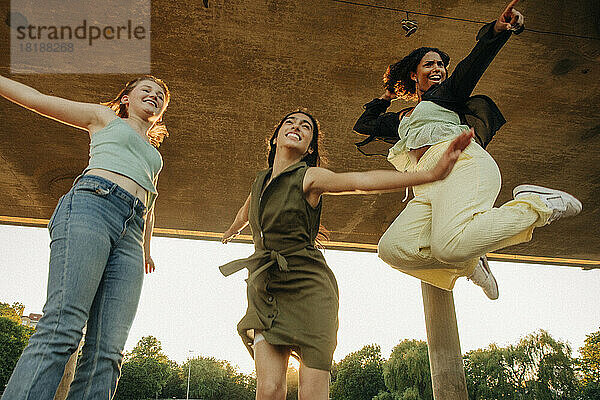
[(449, 224)]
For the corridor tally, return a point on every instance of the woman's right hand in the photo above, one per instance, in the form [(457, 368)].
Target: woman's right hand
[(443, 168), (239, 223), (390, 96), (228, 236)]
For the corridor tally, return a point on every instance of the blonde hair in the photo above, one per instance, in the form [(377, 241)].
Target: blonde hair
[(158, 132)]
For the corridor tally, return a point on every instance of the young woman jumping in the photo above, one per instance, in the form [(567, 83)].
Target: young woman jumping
[(100, 240), (445, 231), (292, 293)]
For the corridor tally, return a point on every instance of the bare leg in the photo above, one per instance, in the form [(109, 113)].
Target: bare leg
[(313, 384), (271, 366)]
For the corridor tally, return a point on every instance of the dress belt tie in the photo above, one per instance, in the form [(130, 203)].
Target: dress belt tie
[(265, 258)]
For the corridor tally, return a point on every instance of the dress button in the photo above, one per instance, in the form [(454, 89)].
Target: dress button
[(270, 316), (270, 299)]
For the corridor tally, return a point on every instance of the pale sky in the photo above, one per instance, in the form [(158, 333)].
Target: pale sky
[(188, 305)]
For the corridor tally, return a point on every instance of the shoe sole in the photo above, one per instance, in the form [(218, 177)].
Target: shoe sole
[(486, 266), (523, 189)]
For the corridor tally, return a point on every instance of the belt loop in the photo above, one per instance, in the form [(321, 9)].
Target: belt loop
[(143, 208), (113, 187)]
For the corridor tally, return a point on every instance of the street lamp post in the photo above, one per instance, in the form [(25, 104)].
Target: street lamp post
[(187, 394)]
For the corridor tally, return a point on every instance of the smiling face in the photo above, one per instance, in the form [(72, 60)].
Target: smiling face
[(146, 100), (300, 130), (296, 132), (430, 70)]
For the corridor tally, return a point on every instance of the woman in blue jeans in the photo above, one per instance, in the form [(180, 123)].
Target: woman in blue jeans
[(100, 240)]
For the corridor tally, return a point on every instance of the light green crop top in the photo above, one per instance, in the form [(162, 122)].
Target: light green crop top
[(119, 148), (428, 124)]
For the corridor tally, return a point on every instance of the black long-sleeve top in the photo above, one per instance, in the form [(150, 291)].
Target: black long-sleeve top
[(479, 112)]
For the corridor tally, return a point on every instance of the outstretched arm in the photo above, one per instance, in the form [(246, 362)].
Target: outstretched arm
[(86, 116), (490, 40), (319, 181), (239, 223)]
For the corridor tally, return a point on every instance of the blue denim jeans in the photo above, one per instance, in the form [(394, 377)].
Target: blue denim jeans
[(95, 277)]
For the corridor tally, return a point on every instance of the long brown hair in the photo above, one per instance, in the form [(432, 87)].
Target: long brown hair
[(158, 131), (312, 159)]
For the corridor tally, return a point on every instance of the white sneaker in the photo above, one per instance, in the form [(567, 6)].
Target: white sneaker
[(482, 277), (562, 204)]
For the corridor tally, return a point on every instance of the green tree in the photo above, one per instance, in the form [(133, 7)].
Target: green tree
[(145, 371), (385, 396), (175, 386), (488, 376), (141, 379), (14, 312), (359, 375), (407, 373), (537, 368), (589, 364), (148, 347), (13, 339), (212, 379), (549, 366)]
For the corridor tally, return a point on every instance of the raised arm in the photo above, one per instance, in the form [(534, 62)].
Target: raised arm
[(490, 40), (239, 223), (320, 181), (86, 116)]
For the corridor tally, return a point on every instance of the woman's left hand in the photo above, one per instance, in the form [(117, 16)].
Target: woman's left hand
[(510, 19), (148, 264)]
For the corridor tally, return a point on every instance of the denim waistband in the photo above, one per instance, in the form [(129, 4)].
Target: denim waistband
[(109, 187)]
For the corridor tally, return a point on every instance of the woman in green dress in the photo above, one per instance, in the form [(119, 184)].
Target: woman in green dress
[(292, 293)]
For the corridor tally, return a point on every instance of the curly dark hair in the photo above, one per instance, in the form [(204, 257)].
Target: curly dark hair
[(313, 159), (397, 76)]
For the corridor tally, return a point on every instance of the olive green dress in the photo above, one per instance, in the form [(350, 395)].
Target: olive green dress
[(292, 293)]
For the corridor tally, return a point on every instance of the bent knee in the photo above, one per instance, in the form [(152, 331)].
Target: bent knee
[(270, 389), (386, 250), (449, 254), (394, 252), (313, 391)]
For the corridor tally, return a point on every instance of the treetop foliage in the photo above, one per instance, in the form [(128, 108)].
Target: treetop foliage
[(538, 367), (13, 312)]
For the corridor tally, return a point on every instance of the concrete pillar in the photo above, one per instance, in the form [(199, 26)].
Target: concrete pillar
[(445, 357)]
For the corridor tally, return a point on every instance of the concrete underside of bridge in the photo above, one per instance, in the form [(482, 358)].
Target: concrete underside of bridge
[(236, 67)]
